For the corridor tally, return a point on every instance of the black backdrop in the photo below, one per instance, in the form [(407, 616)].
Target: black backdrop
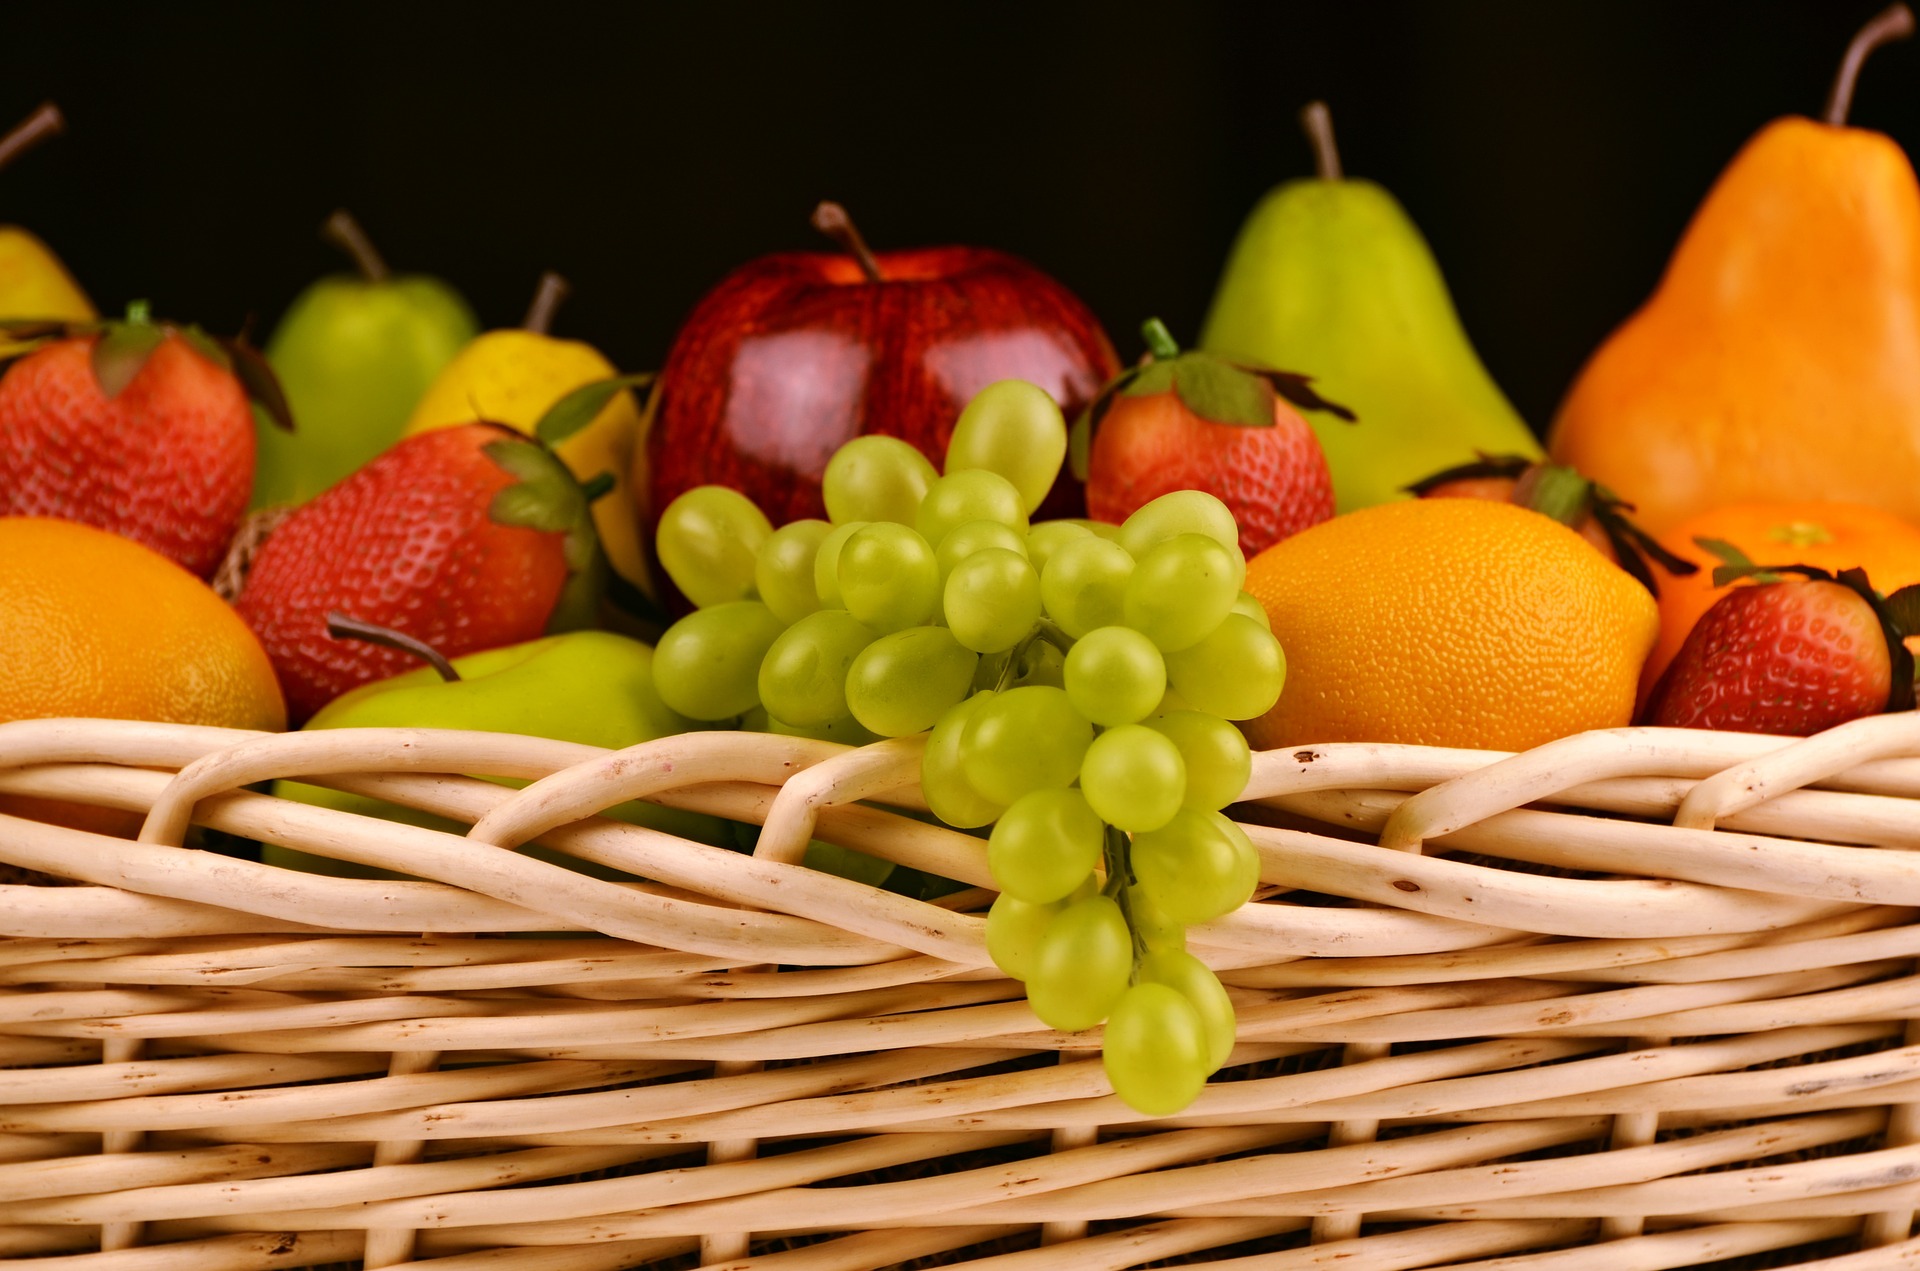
[(1552, 152)]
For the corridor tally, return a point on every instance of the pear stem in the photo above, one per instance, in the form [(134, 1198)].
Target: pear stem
[(546, 302), (42, 124), (342, 627), (1318, 122), (345, 233), (1892, 23), (832, 220)]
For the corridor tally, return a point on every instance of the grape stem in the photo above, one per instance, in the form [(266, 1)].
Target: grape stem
[(1045, 629)]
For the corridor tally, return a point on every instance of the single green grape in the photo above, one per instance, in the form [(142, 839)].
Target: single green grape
[(1012, 428), (1085, 585), (1154, 1049), (950, 796), (1183, 512), (708, 540), (783, 572), (1081, 966), (826, 563), (887, 575), (707, 665), (1248, 605), (1196, 867), (1043, 663), (1048, 537), (803, 678), (876, 478), (1134, 778), (1114, 676), (1180, 590), (1045, 845), (903, 682), (973, 494), (1025, 739), (1236, 671), (964, 540), (991, 600), (1215, 754), (1014, 928), (1195, 981)]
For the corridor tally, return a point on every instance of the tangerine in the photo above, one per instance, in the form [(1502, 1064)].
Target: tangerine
[(93, 624), (1448, 622)]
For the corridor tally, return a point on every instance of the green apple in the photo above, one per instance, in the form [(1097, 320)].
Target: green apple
[(586, 686), (354, 356)]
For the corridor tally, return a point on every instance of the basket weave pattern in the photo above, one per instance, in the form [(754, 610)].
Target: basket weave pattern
[(1636, 999)]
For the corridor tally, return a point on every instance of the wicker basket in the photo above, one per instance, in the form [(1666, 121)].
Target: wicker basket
[(1642, 1001)]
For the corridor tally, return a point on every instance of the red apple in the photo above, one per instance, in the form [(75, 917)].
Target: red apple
[(793, 354)]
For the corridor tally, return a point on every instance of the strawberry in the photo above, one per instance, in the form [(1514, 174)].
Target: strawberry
[(1596, 513), (140, 428), (466, 538), (1799, 651), (1191, 421)]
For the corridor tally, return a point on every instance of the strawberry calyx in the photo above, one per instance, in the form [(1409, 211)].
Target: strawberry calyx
[(547, 496), (1571, 498), (125, 344), (1898, 613), (1211, 388)]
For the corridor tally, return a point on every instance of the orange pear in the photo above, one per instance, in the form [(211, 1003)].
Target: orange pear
[(1779, 359)]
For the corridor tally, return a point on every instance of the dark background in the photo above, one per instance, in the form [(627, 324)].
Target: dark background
[(1552, 152)]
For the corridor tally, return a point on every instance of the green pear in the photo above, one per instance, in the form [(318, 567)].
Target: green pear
[(586, 686), (354, 355), (1330, 277)]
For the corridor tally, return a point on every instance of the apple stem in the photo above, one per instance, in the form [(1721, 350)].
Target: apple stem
[(1892, 23), (345, 233), (342, 627), (42, 124), (546, 302), (832, 220), (1160, 341), (1318, 121)]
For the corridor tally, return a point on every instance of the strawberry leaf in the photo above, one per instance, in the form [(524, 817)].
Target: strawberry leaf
[(1903, 609), (582, 406), (250, 367), (1220, 393), (1148, 380), (121, 352), (1298, 389), (1484, 465)]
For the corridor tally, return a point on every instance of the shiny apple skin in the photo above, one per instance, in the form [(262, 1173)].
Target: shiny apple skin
[(794, 354)]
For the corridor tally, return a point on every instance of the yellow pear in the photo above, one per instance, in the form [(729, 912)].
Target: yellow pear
[(33, 282), (512, 377)]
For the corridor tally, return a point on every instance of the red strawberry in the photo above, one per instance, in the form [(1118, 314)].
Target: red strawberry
[(1190, 421), (1596, 513), (1791, 655), (136, 428), (462, 537)]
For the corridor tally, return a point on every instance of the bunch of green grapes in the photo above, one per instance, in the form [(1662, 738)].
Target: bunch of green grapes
[(1077, 680)]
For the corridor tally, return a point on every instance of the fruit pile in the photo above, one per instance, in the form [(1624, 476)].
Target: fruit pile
[(916, 495)]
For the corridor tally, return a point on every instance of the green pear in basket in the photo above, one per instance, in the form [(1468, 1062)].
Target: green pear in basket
[(594, 687), (1076, 685)]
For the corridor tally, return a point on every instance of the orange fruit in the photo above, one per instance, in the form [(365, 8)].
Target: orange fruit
[(1832, 536), (1448, 622), (97, 625)]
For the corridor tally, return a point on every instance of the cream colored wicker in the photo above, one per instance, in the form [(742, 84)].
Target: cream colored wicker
[(1635, 999)]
